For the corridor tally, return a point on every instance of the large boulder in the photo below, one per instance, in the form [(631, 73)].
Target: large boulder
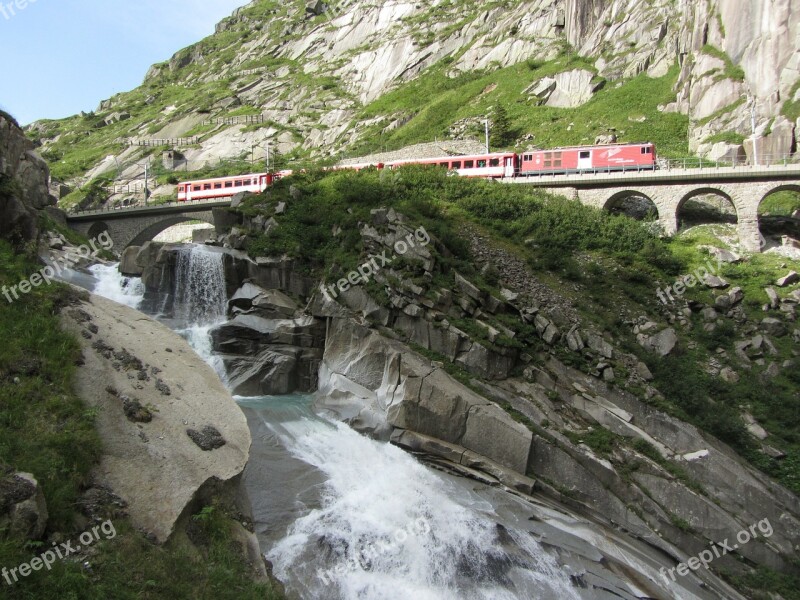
[(661, 343), (155, 467), (269, 356), (267, 304), (278, 370), (128, 264)]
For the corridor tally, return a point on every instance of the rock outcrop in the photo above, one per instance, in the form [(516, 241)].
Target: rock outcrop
[(24, 184), (154, 465)]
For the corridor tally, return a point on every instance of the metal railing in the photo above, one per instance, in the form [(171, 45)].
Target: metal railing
[(237, 120), (154, 142), (769, 160), (141, 207)]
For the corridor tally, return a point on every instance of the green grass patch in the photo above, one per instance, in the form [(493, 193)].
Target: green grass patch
[(730, 71), (436, 100)]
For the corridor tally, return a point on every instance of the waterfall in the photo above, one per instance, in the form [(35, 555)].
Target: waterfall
[(200, 292), (201, 300)]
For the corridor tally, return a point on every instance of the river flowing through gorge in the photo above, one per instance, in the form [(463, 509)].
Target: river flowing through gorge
[(343, 516)]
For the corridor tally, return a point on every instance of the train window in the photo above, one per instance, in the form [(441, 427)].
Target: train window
[(556, 159), (237, 183), (217, 186), (247, 182), (495, 162), (469, 164), (196, 188), (481, 164), (207, 186), (456, 164), (586, 154), (647, 150), (527, 157), (228, 184), (444, 164)]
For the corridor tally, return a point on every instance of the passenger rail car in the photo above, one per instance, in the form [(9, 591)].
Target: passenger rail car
[(223, 187), (489, 166)]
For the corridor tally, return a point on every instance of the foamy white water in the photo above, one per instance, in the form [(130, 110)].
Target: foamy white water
[(113, 285), (390, 528)]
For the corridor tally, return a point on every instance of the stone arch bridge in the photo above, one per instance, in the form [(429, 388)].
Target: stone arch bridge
[(744, 187), (135, 226)]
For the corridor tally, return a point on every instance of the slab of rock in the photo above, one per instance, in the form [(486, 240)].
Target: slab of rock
[(128, 265), (715, 282), (774, 327), (774, 299), (661, 343), (721, 255), (468, 288), (599, 345), (789, 279), (159, 477), (753, 427)]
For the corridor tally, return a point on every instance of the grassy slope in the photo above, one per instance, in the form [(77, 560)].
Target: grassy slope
[(46, 430), (436, 101)]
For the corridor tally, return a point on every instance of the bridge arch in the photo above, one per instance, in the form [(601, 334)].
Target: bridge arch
[(776, 219), (97, 229), (693, 212), (153, 229), (785, 187), (632, 203)]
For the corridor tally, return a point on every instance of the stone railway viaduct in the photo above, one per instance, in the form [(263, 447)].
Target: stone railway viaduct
[(668, 190), (745, 187)]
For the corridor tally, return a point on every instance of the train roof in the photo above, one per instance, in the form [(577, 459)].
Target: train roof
[(586, 146)]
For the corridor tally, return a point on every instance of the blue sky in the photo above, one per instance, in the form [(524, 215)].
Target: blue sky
[(65, 56)]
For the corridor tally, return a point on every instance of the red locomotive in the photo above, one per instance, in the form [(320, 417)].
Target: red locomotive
[(580, 159), (497, 165)]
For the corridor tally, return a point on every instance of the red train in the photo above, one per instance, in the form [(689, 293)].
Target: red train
[(497, 165)]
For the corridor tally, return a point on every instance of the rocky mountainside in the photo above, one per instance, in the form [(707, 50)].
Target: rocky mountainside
[(315, 79), (508, 375)]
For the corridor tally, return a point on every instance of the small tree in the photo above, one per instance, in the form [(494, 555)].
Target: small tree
[(501, 134)]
